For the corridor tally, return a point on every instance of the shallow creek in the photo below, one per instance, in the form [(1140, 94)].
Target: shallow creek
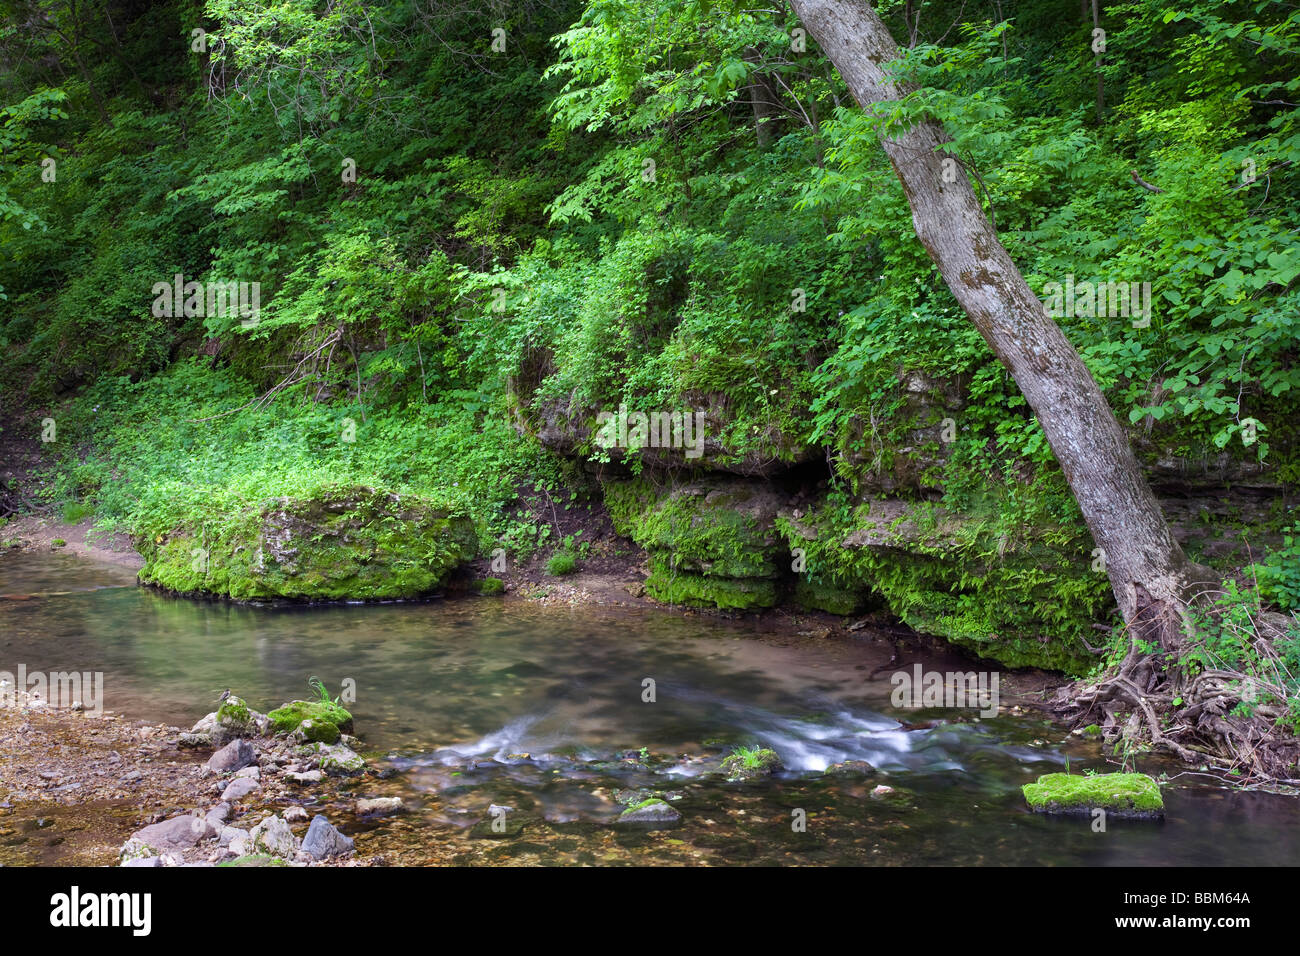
[(472, 702)]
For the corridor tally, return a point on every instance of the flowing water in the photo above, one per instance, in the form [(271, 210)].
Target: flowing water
[(472, 702)]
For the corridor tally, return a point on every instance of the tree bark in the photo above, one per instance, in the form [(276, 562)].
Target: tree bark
[(1151, 577), (765, 100)]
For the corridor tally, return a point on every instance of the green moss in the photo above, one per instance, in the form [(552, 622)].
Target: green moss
[(699, 590), (319, 731), (339, 760), (288, 718), (1021, 594), (339, 543), (820, 596), (709, 527), (59, 543), (1119, 792), (489, 586), (233, 711)]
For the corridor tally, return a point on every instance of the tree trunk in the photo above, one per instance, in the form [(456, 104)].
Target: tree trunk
[(766, 102), (1151, 577)]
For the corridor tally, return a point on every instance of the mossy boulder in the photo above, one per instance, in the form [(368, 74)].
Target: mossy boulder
[(1122, 794), (291, 717), (319, 731), (234, 719), (750, 764), (488, 586), (339, 543)]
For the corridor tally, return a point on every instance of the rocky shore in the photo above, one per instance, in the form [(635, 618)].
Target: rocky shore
[(239, 788)]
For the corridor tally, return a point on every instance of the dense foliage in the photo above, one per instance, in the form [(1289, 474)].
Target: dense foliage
[(467, 220)]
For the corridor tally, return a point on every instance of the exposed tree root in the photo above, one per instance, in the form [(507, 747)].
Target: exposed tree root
[(1158, 697)]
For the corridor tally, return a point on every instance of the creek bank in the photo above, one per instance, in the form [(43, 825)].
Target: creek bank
[(105, 789), (263, 762)]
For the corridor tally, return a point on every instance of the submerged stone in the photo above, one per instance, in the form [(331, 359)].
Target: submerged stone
[(341, 543), (379, 806), (1122, 794), (654, 812), (850, 768)]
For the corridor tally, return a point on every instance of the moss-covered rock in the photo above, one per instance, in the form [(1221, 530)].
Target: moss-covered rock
[(653, 812), (319, 731), (255, 860), (669, 586), (712, 543), (339, 761), (488, 586), (1021, 594), (822, 596), (1123, 794), (750, 763), (722, 527), (290, 717), (233, 719), (341, 543)]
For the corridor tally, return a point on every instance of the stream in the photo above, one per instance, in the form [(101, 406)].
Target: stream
[(465, 703)]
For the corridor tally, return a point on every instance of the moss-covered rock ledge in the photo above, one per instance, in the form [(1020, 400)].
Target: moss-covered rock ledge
[(338, 543)]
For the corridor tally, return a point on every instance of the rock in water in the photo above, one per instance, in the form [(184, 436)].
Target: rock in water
[(654, 812), (1130, 795), (239, 788), (339, 761), (751, 764), (323, 840), (850, 768), (379, 806), (235, 755)]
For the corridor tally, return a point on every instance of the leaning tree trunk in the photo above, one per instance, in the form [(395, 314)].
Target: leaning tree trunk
[(1151, 577)]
